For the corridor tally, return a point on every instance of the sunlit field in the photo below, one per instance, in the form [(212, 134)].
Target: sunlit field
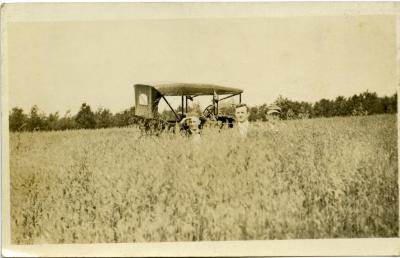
[(319, 178)]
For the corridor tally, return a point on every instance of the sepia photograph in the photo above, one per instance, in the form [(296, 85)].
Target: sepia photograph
[(269, 125)]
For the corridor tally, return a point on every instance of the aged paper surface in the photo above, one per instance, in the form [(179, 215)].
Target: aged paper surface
[(48, 60)]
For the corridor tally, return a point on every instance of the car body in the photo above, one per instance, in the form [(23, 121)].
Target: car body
[(148, 97)]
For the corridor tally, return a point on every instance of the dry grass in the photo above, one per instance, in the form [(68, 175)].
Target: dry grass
[(322, 178)]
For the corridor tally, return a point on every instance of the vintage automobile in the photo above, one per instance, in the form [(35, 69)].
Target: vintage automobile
[(148, 97)]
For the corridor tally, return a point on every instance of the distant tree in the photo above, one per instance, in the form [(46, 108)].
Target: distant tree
[(125, 118), (195, 108), (17, 119), (305, 110), (52, 122), (227, 107), (178, 111), (253, 114), (366, 103), (324, 107), (167, 115), (36, 120), (67, 122), (284, 104), (354, 105), (104, 118), (85, 117), (290, 114), (389, 104), (262, 112), (370, 102), (293, 109), (393, 103), (340, 107)]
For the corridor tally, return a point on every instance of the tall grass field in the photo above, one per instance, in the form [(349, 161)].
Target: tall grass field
[(301, 179)]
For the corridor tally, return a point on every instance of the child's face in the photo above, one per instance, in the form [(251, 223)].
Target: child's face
[(194, 123)]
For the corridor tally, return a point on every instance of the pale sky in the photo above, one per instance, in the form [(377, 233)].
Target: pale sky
[(60, 65)]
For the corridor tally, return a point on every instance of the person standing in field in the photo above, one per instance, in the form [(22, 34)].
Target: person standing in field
[(194, 126), (192, 123), (242, 118)]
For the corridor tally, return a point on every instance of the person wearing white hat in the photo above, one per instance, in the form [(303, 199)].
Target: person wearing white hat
[(272, 115), (193, 126)]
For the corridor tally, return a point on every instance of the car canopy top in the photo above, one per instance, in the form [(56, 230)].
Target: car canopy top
[(192, 89)]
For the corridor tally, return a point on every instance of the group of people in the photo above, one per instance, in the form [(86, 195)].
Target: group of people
[(242, 126)]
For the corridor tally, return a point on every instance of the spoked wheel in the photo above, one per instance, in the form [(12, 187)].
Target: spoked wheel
[(209, 112)]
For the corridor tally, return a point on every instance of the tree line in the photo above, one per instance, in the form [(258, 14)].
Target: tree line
[(366, 103), (84, 119)]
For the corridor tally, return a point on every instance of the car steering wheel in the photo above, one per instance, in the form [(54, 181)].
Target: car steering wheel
[(209, 112)]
